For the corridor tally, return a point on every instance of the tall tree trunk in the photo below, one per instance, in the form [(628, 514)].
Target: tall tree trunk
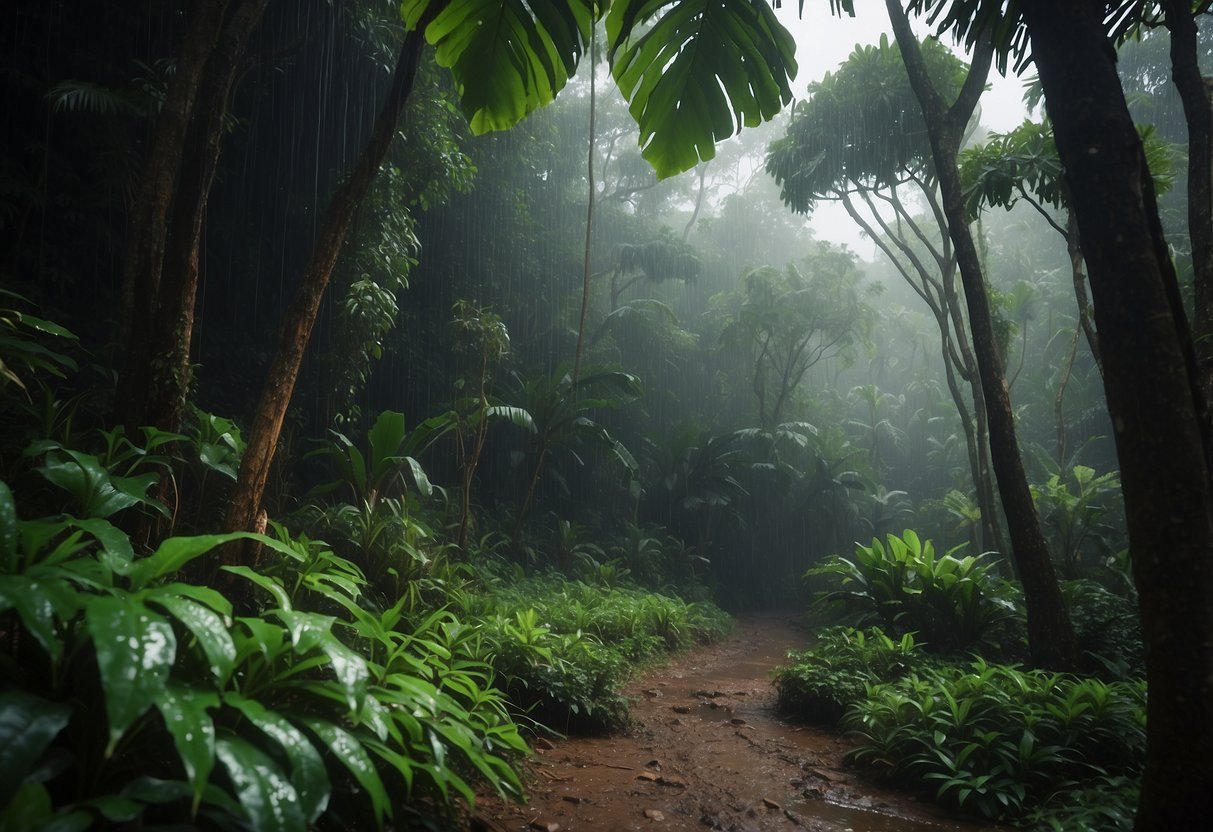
[(1198, 113), (168, 352), (149, 223), (1149, 376), (301, 316), (1050, 635)]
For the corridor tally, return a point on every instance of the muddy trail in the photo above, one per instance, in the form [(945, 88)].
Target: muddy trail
[(707, 750)]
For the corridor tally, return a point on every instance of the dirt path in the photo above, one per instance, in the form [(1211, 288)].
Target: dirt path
[(707, 751)]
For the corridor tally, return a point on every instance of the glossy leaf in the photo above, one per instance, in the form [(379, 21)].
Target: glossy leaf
[(9, 550), (307, 773), (28, 724), (310, 631), (175, 553), (38, 602), (508, 57), (206, 625), (186, 715), (135, 649), (267, 795), (348, 751), (699, 72)]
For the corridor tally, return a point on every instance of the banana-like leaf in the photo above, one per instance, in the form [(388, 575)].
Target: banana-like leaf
[(206, 625), (508, 57), (348, 751), (135, 650), (700, 71), (307, 766), (185, 712), (28, 724), (270, 800)]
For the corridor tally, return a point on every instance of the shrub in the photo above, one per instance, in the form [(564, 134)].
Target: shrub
[(997, 740), (267, 721), (949, 602), (820, 683)]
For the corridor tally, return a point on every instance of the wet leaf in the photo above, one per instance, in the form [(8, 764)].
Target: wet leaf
[(28, 724), (348, 751), (175, 553), (269, 800), (185, 713), (206, 625), (307, 767), (135, 649), (38, 603)]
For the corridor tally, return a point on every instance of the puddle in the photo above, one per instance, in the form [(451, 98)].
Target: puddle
[(851, 819)]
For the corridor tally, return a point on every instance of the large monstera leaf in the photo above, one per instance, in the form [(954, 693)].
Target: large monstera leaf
[(694, 71), (508, 57), (698, 72)]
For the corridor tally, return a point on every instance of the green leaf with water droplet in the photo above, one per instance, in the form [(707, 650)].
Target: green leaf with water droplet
[(9, 551), (310, 631), (349, 752), (269, 800), (307, 766), (38, 603), (175, 553), (185, 713), (28, 724), (206, 625), (135, 649), (270, 585)]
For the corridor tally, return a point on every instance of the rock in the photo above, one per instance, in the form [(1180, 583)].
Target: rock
[(479, 823), (542, 743), (653, 692), (737, 721), (672, 780), (681, 709), (654, 814), (574, 799), (648, 775), (655, 765), (771, 804), (545, 825)]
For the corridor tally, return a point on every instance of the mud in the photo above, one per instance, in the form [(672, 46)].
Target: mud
[(707, 750)]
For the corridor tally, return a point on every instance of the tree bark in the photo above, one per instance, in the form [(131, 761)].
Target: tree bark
[(301, 316), (149, 223), (1198, 113), (1154, 403), (166, 372), (1051, 639)]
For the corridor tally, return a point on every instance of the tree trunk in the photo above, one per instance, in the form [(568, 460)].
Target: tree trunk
[(162, 402), (1154, 404), (301, 316), (1198, 113), (149, 222), (1050, 635)]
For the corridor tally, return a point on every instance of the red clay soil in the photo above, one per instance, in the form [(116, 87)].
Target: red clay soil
[(707, 750)]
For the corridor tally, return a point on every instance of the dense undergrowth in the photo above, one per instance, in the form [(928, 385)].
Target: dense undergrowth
[(950, 713)]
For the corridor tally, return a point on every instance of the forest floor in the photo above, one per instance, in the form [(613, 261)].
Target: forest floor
[(707, 750)]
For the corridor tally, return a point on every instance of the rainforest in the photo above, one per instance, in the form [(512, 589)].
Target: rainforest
[(574, 415)]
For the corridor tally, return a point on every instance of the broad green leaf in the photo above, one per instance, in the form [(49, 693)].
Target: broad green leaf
[(9, 551), (115, 808), (206, 625), (175, 553), (270, 585), (27, 808), (185, 713), (701, 71), (350, 753), (310, 631), (508, 57), (385, 438), (38, 602), (135, 649), (116, 551), (98, 492), (307, 766), (28, 724), (268, 797)]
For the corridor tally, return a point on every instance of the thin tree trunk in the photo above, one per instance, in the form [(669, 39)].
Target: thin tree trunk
[(173, 324), (1149, 377), (149, 223), (301, 316), (1079, 279), (1050, 635)]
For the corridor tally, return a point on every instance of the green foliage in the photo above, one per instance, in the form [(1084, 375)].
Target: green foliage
[(261, 722), (820, 683), (693, 71), (1108, 628), (1073, 509), (997, 740), (24, 350), (564, 647), (952, 603)]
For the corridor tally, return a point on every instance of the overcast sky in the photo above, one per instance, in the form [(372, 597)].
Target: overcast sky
[(824, 41)]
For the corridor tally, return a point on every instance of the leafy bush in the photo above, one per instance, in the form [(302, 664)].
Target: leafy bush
[(564, 648), (951, 603), (1108, 628), (820, 683), (997, 740), (264, 722)]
